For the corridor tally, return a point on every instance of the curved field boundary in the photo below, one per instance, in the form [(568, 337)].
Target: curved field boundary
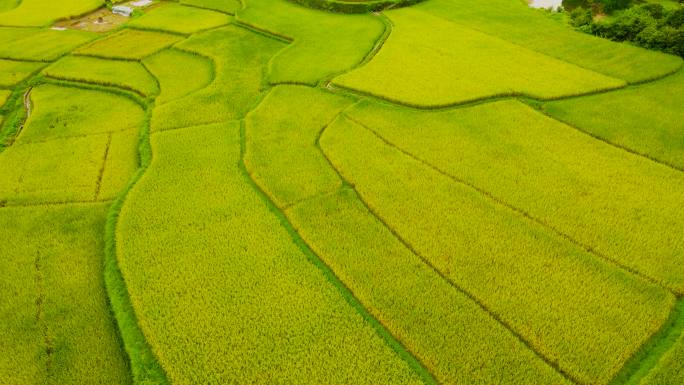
[(648, 357), (330, 275), (144, 366), (355, 6)]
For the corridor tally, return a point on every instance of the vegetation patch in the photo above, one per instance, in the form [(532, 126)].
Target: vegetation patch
[(14, 72), (239, 58), (227, 6), (127, 75), (39, 13), (444, 64), (612, 202), (179, 73), (324, 44), (72, 112), (647, 119), (180, 19), (56, 324), (464, 234), (44, 44), (130, 44), (234, 255)]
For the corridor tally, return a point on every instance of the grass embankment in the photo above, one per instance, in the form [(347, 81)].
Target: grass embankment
[(179, 19), (589, 321), (394, 284), (129, 44), (647, 119), (234, 255), (39, 13), (620, 205), (166, 66), (57, 327), (239, 57), (127, 75), (324, 44), (443, 63), (515, 22)]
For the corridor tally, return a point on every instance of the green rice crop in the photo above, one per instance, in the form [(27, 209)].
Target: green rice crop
[(4, 95), (123, 74), (180, 19), (56, 326), (260, 311), (38, 13), (324, 45), (280, 137), (443, 63), (120, 165), (197, 72), (227, 6), (514, 22), (69, 111), (240, 57), (42, 45), (13, 72), (621, 205), (392, 282), (403, 292), (130, 44), (60, 170), (647, 119), (578, 311)]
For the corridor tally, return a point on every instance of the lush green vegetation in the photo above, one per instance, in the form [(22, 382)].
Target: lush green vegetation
[(130, 44), (56, 325), (308, 192), (433, 70), (198, 72), (239, 58), (180, 19), (123, 74), (647, 119), (235, 257)]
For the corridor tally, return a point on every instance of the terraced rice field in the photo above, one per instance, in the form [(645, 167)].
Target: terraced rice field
[(336, 192)]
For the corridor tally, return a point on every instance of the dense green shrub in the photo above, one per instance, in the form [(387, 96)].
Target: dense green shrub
[(647, 25)]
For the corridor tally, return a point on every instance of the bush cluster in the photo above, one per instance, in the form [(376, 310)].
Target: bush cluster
[(647, 25)]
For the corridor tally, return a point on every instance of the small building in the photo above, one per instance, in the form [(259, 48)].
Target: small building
[(122, 10)]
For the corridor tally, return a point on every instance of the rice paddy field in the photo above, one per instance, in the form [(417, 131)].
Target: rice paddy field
[(336, 192)]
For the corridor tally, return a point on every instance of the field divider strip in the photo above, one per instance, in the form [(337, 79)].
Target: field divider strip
[(100, 176), (145, 367), (520, 212), (394, 343), (40, 313), (608, 142), (427, 262), (650, 353)]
